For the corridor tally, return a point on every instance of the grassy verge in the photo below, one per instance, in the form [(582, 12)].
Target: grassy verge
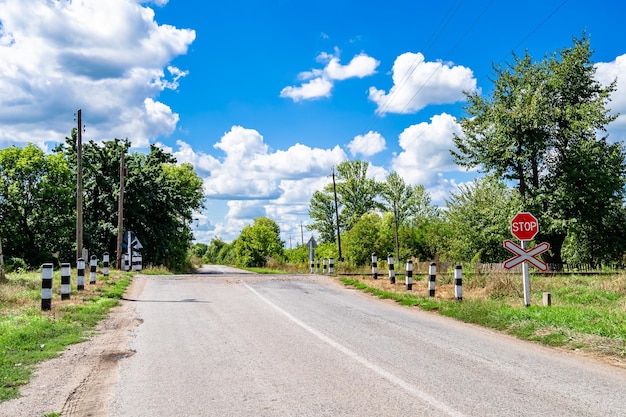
[(29, 335), (588, 313)]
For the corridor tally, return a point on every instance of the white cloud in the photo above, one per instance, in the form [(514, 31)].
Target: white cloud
[(606, 73), (106, 58), (321, 82), (367, 145), (417, 84), (426, 150)]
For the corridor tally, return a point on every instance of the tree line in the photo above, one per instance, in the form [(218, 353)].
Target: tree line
[(38, 202), (536, 137)]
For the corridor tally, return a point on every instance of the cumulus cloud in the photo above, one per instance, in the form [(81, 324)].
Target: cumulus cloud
[(417, 84), (367, 145), (426, 150), (106, 58), (606, 73), (320, 82)]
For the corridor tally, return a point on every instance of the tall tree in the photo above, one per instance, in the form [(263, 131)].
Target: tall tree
[(538, 127), (322, 212), (36, 205), (258, 242)]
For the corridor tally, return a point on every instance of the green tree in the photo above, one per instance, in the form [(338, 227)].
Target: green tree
[(363, 239), (322, 212), (36, 205), (539, 128), (258, 242), (478, 221), (357, 194)]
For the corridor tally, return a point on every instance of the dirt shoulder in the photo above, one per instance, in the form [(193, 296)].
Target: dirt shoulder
[(79, 381)]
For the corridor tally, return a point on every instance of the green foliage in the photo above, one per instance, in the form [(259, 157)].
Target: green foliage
[(257, 243), (297, 255), (539, 129), (322, 212), (364, 239)]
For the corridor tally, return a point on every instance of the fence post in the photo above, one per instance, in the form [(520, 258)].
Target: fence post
[(105, 264), (409, 275), (375, 265), (392, 272), (65, 281), (331, 266), (458, 282), (46, 286), (92, 270), (80, 274), (432, 276)]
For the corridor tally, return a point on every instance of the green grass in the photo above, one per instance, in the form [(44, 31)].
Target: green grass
[(28, 335), (588, 313)]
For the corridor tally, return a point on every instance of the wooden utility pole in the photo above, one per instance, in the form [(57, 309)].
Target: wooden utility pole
[(120, 214), (337, 216), (3, 278), (302, 233), (79, 187)]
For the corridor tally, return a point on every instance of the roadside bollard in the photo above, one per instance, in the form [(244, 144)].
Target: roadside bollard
[(392, 272), (80, 274), (312, 266), (458, 282), (318, 265), (324, 267), (331, 266), (432, 276), (105, 264), (46, 286), (374, 265), (92, 270), (409, 275), (65, 281)]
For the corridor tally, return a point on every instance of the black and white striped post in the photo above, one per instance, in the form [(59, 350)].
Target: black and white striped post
[(105, 264), (46, 286), (92, 270), (409, 275), (80, 274), (331, 266), (432, 276), (312, 266), (458, 282), (324, 266), (374, 265), (392, 272), (318, 265), (65, 281)]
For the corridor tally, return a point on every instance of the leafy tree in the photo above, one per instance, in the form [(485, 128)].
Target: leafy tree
[(356, 193), (36, 205), (212, 253), (322, 212), (258, 242), (478, 217), (363, 239), (539, 129)]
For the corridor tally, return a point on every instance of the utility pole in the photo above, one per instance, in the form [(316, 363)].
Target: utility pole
[(79, 186), (302, 233), (3, 277), (337, 216), (120, 213)]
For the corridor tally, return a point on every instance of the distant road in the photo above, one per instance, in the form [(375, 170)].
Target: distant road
[(220, 269), (224, 344)]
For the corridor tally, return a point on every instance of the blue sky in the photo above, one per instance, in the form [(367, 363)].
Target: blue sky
[(264, 98)]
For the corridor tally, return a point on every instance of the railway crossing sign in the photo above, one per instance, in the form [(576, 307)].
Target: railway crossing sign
[(523, 255)]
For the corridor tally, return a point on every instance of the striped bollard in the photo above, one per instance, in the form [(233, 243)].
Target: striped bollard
[(65, 281), (331, 266), (374, 265), (324, 266), (80, 274), (432, 276), (137, 261), (92, 270), (409, 275), (392, 272), (46, 286), (105, 264), (458, 282), (318, 265), (312, 266), (126, 266)]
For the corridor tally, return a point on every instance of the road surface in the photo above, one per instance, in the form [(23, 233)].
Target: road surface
[(250, 345)]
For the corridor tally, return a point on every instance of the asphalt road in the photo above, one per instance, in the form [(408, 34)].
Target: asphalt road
[(248, 345)]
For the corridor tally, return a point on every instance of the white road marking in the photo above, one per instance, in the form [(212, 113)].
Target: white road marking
[(411, 389)]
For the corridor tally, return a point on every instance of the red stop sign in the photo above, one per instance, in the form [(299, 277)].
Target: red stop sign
[(524, 226)]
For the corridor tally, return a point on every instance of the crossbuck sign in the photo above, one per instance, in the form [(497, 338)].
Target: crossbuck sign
[(523, 255)]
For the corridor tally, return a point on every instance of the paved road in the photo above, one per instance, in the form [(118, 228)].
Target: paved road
[(249, 345)]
